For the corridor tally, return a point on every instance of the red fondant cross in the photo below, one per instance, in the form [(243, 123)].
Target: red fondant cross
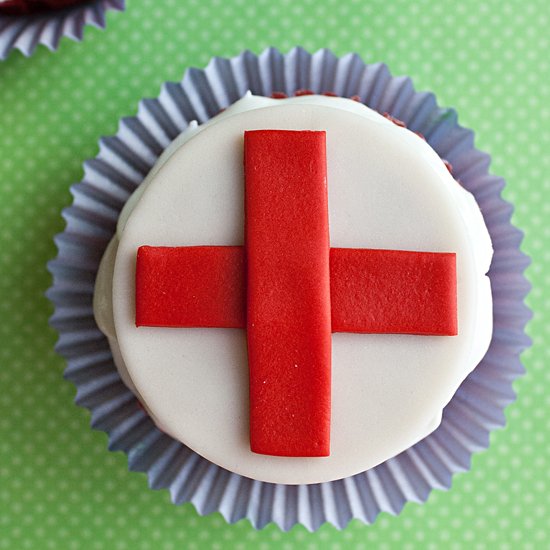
[(292, 291)]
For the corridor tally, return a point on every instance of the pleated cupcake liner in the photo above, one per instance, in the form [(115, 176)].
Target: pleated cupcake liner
[(476, 409), (26, 32)]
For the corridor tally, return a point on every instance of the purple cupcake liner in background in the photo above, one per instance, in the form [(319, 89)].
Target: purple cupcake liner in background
[(476, 409), (25, 32)]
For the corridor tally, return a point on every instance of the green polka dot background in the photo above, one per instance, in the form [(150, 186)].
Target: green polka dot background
[(59, 486)]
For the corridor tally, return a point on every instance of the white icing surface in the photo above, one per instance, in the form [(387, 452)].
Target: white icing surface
[(388, 390)]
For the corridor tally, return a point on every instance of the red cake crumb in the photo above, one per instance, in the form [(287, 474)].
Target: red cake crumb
[(396, 121)]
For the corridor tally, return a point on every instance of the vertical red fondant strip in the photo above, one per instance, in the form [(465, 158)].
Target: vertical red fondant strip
[(288, 292)]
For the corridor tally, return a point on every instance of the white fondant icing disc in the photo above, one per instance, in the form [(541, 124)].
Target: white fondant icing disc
[(387, 189)]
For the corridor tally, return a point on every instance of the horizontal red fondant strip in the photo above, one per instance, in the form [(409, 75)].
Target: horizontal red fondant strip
[(195, 286), (371, 291), (393, 292)]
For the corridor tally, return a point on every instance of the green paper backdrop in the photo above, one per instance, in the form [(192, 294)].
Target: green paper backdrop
[(59, 486)]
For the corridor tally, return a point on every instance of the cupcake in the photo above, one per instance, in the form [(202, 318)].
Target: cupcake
[(24, 24), (292, 296), (19, 7)]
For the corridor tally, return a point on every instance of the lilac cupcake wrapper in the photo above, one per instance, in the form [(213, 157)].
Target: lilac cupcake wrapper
[(25, 32), (124, 160)]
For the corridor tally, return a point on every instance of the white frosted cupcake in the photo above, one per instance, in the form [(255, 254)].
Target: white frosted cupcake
[(402, 305)]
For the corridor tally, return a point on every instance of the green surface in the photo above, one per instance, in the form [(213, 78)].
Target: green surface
[(59, 486)]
